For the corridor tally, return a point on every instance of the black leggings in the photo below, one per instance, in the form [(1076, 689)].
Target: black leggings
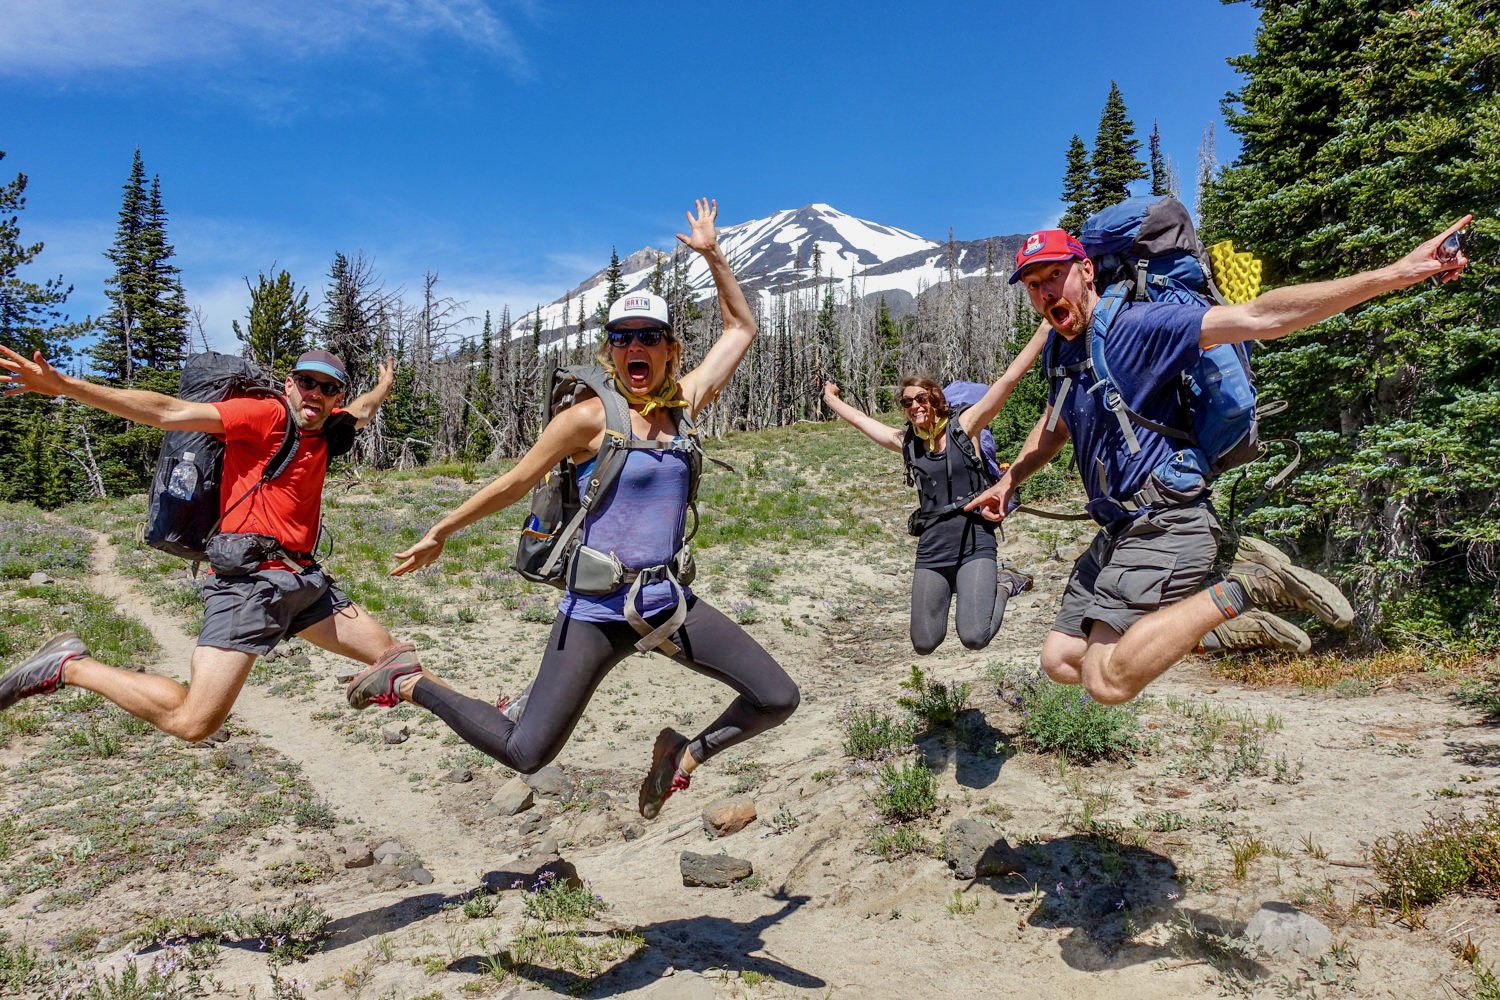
[(981, 604), (579, 654)]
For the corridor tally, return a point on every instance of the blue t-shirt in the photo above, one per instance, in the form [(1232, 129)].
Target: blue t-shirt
[(1149, 346)]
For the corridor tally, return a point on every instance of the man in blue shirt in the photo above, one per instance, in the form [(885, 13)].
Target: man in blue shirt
[(1133, 605)]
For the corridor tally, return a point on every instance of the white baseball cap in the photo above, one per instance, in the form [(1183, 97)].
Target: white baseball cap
[(639, 305)]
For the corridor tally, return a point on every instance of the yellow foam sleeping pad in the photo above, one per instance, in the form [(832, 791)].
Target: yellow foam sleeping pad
[(1236, 274)]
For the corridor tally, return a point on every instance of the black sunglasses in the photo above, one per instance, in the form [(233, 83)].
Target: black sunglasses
[(907, 402), (648, 338), (307, 384)]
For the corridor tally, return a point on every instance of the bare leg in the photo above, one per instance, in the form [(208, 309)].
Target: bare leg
[(189, 713), (1117, 667), (350, 632)]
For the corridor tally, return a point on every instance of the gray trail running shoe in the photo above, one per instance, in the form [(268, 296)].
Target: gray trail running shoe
[(1013, 581), (376, 684), (1257, 629), (42, 673), (1274, 584), (664, 778)]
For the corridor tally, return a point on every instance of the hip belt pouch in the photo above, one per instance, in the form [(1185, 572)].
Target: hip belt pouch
[(236, 554), (594, 573)]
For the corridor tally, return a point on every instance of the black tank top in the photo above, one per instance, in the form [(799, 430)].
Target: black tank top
[(941, 479)]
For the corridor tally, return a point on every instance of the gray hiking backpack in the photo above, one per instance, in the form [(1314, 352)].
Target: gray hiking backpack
[(550, 550)]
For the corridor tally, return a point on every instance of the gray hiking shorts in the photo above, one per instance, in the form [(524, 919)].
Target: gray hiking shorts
[(1160, 558), (252, 613)]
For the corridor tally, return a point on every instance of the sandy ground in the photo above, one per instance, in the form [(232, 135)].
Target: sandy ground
[(1120, 916)]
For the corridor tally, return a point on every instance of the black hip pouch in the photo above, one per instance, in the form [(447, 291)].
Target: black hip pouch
[(236, 554)]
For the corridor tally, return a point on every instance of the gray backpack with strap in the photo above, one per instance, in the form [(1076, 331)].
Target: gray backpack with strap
[(550, 548)]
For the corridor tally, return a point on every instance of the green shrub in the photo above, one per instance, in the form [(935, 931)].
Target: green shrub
[(932, 703), (906, 791), (1062, 718), (889, 843), (870, 734), (1444, 856), (553, 900), (289, 934)]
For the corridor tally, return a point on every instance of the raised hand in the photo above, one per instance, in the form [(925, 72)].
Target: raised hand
[(702, 237), (386, 373), (33, 375), (1430, 261), (830, 389)]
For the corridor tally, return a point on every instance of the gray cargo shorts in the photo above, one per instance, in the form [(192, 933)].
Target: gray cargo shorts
[(1158, 559), (252, 613)]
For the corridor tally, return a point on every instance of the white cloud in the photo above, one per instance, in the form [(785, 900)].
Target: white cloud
[(72, 38)]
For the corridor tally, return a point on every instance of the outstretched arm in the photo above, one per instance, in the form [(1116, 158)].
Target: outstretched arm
[(1284, 310), (978, 416), (703, 384), (136, 405), (1040, 448), (365, 406), (574, 430), (886, 437)]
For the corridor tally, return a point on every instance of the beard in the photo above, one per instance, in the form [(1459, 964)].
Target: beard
[(1068, 318)]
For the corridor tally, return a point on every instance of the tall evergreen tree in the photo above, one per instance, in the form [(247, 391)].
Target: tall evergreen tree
[(1114, 163), (31, 319), (277, 329), (1078, 187), (351, 303), (146, 326), (1365, 127), (1161, 174)]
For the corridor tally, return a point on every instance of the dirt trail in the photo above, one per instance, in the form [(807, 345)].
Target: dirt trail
[(351, 781)]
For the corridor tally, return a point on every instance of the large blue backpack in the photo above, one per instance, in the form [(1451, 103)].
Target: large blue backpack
[(1145, 249)]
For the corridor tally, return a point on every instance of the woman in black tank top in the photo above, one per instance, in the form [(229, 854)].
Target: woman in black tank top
[(956, 553)]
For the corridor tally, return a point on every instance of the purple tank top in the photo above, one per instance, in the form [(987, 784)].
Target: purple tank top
[(641, 522)]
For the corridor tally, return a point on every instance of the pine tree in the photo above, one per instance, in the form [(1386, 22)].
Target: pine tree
[(1365, 127), (1077, 193), (276, 332), (1114, 163), (351, 304), (31, 319), (1161, 174), (145, 330)]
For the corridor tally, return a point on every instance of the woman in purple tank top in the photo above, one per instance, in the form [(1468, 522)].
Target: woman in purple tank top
[(640, 523)]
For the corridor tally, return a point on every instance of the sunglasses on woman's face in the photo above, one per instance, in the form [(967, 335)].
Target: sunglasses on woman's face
[(308, 384), (921, 398), (648, 338)]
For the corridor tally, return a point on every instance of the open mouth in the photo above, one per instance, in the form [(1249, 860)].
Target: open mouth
[(1060, 315), (637, 370)]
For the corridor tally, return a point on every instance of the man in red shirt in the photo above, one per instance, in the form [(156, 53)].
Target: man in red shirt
[(273, 525)]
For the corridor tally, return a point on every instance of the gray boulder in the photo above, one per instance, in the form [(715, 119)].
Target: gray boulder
[(973, 851), (1281, 929), (713, 871)]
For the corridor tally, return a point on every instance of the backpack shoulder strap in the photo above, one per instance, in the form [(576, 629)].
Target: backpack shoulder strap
[(1105, 312), (909, 454), (1060, 375), (967, 447)]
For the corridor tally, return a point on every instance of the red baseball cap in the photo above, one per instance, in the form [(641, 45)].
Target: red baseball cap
[(1046, 246)]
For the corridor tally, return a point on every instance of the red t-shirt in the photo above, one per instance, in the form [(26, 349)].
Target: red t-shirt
[(288, 507)]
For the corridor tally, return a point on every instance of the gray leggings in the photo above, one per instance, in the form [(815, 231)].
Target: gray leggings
[(981, 604), (578, 656)]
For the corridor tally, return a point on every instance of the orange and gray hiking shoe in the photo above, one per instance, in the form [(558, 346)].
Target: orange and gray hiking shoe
[(376, 684), (1274, 584), (1257, 629), (42, 672), (664, 778)]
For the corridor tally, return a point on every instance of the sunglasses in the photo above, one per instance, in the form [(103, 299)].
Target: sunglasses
[(308, 384), (907, 402), (648, 338)]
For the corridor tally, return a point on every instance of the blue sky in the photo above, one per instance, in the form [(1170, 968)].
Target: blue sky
[(507, 144)]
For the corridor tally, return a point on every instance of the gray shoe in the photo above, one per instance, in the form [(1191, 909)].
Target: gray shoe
[(1256, 629), (1012, 581), (43, 672), (376, 684), (1274, 584)]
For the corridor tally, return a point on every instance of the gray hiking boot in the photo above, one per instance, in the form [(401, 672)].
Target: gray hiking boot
[(376, 684), (1257, 629), (1012, 581), (43, 672), (665, 777), (1274, 584)]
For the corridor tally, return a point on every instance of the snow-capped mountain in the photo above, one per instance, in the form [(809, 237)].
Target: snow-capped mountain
[(775, 256)]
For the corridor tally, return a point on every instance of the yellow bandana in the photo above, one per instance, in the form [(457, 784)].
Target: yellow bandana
[(929, 437), (665, 398)]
